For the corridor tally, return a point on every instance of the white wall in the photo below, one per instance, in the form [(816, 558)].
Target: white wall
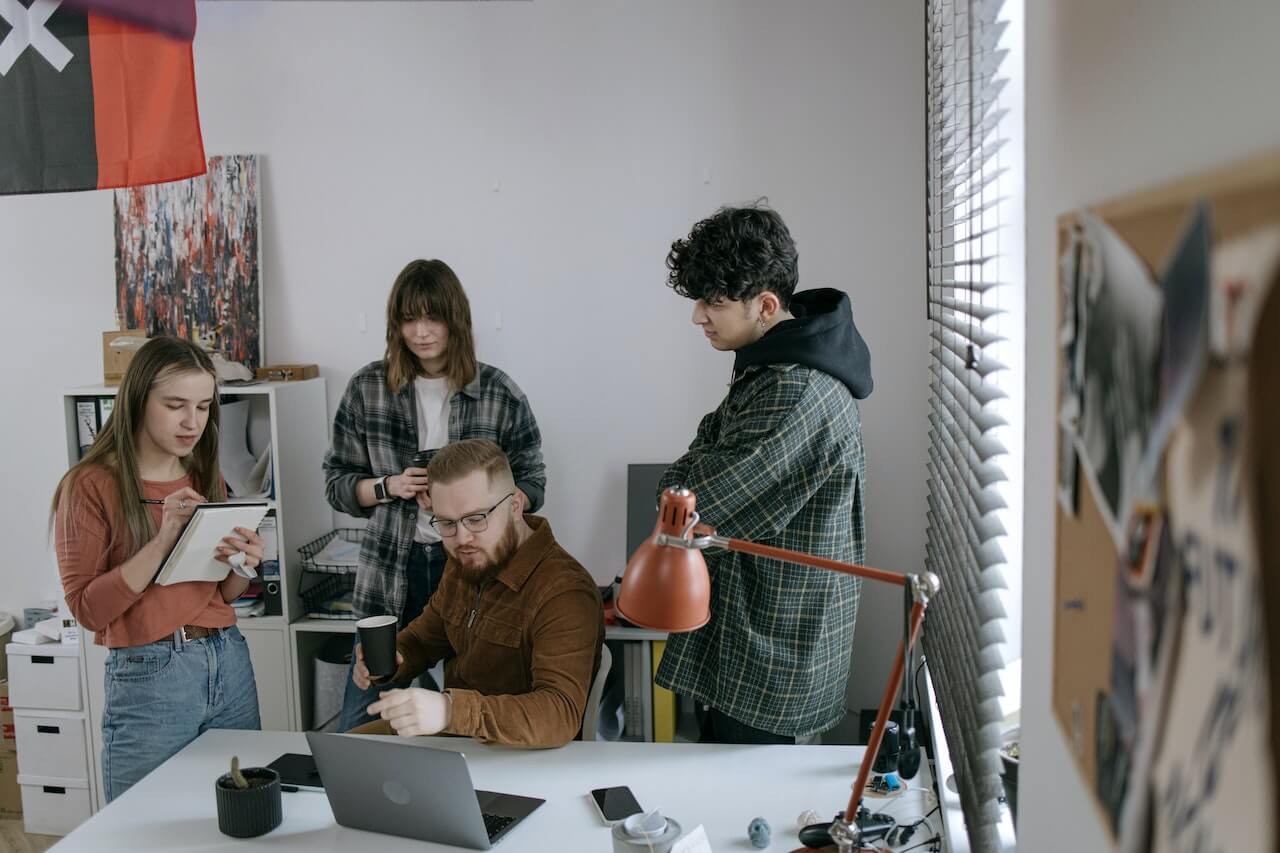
[(1120, 97), (550, 152)]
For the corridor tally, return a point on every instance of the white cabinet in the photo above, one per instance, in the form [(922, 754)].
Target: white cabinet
[(45, 676), (268, 652), (293, 418), (53, 805), (49, 721), (51, 743)]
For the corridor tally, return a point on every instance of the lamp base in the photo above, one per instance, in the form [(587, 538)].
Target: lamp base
[(872, 825)]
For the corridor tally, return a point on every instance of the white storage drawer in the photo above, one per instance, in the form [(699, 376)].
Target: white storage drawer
[(51, 745), (45, 678), (53, 806)]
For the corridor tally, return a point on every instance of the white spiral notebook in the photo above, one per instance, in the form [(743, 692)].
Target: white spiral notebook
[(194, 555)]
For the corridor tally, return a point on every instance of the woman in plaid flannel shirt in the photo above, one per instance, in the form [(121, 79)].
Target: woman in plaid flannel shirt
[(427, 391)]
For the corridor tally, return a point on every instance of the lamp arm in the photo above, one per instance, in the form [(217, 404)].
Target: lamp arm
[(705, 538), (882, 716)]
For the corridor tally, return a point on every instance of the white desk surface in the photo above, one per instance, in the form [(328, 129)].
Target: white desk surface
[(720, 787)]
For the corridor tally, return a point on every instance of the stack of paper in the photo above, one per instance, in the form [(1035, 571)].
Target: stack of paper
[(249, 607), (338, 555), (54, 630)]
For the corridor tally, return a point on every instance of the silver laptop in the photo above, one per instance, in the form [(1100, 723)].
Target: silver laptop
[(397, 787)]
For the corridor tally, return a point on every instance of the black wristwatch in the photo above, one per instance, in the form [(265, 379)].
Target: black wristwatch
[(380, 492)]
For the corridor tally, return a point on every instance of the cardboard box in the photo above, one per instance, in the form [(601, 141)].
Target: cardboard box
[(117, 351), (7, 737), (10, 793)]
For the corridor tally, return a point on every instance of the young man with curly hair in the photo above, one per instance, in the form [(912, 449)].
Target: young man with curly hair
[(780, 461)]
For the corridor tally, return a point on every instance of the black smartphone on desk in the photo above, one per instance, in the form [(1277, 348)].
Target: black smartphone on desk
[(615, 804)]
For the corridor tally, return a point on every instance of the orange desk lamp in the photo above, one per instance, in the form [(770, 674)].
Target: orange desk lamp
[(666, 587)]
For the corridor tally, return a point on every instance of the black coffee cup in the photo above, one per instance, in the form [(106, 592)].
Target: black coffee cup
[(422, 458), (378, 641)]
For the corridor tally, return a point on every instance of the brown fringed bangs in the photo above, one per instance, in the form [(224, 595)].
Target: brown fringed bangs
[(429, 289)]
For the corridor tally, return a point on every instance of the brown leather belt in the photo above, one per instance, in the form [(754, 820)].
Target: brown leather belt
[(187, 633)]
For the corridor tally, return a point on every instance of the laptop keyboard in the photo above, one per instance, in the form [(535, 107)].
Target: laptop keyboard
[(493, 824)]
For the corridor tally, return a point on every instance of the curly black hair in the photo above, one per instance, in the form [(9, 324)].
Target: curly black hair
[(737, 254)]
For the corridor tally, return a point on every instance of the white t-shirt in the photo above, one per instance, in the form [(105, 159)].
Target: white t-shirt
[(433, 431)]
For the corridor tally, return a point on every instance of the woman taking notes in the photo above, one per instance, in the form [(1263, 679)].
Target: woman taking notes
[(177, 664)]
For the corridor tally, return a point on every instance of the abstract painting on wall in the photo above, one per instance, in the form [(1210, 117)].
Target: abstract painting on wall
[(188, 259)]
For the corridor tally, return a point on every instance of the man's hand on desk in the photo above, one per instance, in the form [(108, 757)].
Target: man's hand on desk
[(414, 711)]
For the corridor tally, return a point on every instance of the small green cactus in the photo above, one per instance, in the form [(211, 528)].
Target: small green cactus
[(236, 776)]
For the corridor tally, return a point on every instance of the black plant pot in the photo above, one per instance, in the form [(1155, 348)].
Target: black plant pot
[(252, 811)]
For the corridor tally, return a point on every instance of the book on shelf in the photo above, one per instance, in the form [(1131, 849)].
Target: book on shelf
[(91, 416), (664, 701), (86, 424)]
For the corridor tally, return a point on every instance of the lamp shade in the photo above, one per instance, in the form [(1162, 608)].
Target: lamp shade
[(666, 587)]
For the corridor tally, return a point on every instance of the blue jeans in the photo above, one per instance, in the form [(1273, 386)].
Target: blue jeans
[(425, 568), (160, 697)]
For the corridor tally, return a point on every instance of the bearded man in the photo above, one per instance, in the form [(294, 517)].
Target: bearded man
[(516, 619)]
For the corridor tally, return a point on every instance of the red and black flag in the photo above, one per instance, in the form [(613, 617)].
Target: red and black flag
[(90, 102), (174, 17)]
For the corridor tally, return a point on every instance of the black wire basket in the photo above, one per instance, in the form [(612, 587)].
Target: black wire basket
[(312, 549), (318, 589), (324, 582)]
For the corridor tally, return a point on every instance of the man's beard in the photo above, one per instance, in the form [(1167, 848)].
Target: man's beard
[(476, 573)]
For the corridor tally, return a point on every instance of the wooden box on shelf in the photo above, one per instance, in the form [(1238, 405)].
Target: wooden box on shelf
[(118, 349), (287, 372)]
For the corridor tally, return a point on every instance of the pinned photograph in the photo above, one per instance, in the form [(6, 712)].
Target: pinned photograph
[(1119, 315), (1184, 343), (1070, 377)]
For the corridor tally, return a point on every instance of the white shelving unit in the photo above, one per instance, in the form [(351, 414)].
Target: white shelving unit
[(293, 418), (307, 636)]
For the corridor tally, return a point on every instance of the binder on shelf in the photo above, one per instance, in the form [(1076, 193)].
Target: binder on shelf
[(270, 540), (106, 405), (644, 686), (664, 702), (638, 701), (86, 424), (633, 725), (269, 570)]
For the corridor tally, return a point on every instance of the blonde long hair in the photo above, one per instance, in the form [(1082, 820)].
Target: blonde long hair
[(429, 289), (115, 448)]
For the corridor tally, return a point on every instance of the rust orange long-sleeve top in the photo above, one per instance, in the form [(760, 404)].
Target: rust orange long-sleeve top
[(89, 564)]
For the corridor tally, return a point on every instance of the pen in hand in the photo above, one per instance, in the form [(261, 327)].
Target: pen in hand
[(151, 502)]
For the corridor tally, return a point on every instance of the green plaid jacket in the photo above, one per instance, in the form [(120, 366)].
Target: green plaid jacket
[(779, 462), (375, 433)]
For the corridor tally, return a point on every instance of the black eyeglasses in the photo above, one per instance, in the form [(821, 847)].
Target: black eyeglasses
[(477, 522)]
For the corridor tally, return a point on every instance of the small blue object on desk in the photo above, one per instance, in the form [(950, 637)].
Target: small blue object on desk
[(759, 833)]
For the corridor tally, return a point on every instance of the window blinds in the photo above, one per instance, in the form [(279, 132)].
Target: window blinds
[(969, 211)]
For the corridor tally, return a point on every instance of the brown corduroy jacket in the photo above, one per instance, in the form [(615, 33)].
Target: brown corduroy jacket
[(521, 650)]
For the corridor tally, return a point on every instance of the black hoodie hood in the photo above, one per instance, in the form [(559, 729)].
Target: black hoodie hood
[(822, 336)]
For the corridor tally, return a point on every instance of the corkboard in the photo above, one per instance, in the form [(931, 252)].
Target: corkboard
[(1242, 197)]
